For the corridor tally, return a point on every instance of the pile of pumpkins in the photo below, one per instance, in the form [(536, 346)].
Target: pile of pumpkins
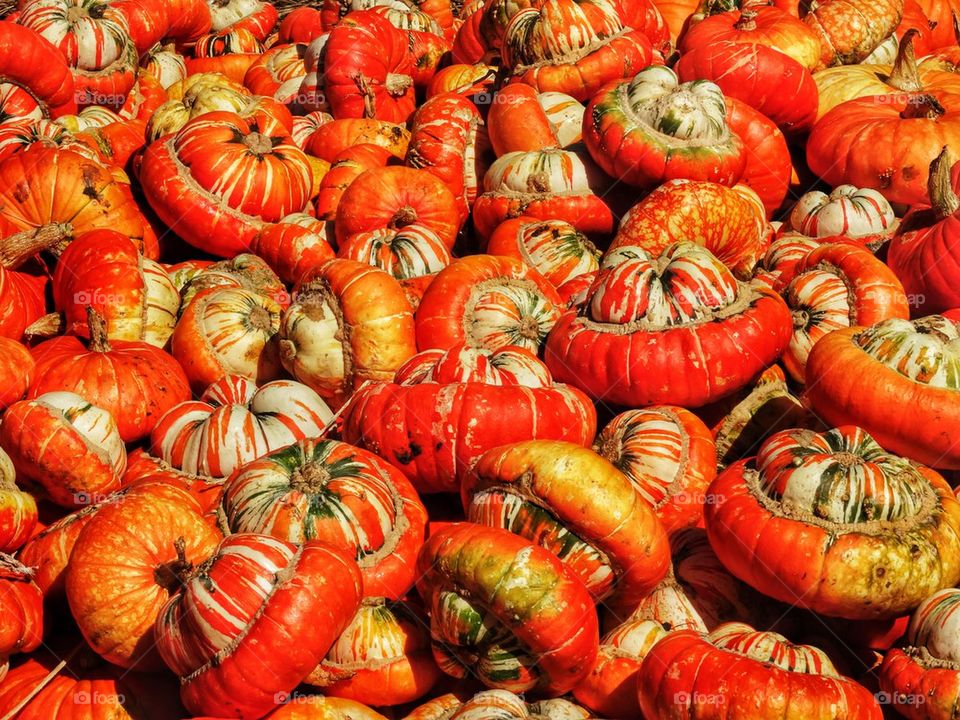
[(424, 360)]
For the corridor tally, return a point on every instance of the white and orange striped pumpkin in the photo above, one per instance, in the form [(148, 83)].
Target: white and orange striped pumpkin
[(338, 493), (382, 658), (234, 423), (669, 455), (258, 597)]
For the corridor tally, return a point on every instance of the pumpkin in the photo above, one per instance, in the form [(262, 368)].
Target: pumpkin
[(231, 52), (224, 331), (347, 167), (861, 375), (394, 197), (129, 558), (685, 298), (189, 19), (17, 371), (245, 271), (413, 255), (837, 286), (922, 252), (18, 509), (165, 65), (351, 324), (278, 72), (939, 15), (760, 25), (839, 84), (488, 302), (22, 302), (698, 594), (291, 249), (549, 184), (66, 445), (768, 170), (300, 25), (234, 422), (144, 98), (554, 248), (466, 80), (764, 78), (38, 690), (367, 69), (289, 601), (339, 494), (468, 386), (522, 119), (849, 211), (333, 138), (610, 688), (572, 47), (448, 140), (21, 610), (47, 552), (774, 679), (94, 37), (501, 704), (382, 658), (577, 505), (669, 456), (922, 679), (134, 295), (253, 16), (849, 30), (425, 38), (726, 221), (874, 534), (220, 174), (133, 381), (518, 624), (211, 92), (207, 490), (921, 124), (51, 195), (653, 129), (319, 707), (46, 94)]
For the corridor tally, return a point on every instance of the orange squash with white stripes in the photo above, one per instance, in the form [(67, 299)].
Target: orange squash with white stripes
[(255, 597), (343, 495), (235, 422), (220, 175), (775, 679), (687, 305)]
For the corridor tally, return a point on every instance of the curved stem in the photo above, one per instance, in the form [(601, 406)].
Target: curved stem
[(16, 249), (904, 75), (922, 106), (943, 198), (98, 331)]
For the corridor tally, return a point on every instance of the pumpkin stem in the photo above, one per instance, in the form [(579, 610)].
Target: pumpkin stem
[(257, 143), (904, 75), (171, 575), (310, 478), (529, 329), (922, 106), (403, 217), (98, 331), (13, 569), (538, 183), (48, 326), (942, 196), (16, 249), (369, 97), (747, 20), (397, 85)]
